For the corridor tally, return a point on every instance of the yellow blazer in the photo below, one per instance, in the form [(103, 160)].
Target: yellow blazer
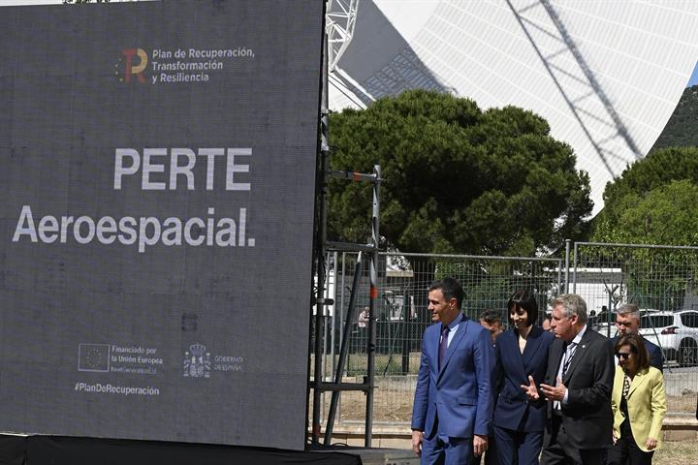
[(646, 405)]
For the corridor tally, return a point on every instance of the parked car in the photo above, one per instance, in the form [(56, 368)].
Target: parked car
[(675, 332)]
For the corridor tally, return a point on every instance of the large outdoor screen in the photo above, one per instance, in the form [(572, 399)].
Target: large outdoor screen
[(157, 176)]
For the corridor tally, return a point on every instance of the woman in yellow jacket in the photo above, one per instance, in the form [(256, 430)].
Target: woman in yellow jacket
[(639, 404)]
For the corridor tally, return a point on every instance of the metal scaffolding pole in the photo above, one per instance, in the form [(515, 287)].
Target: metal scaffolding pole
[(372, 249), (371, 349), (320, 253), (341, 16)]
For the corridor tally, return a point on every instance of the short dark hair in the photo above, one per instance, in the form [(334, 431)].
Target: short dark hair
[(524, 300), (637, 346), (491, 316), (450, 288)]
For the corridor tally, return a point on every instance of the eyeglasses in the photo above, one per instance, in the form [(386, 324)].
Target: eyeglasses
[(623, 355)]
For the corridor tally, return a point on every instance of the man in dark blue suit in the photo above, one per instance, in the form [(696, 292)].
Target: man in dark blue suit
[(453, 400), (628, 322)]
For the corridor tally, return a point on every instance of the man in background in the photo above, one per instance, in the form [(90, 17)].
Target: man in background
[(546, 322), (491, 320), (628, 322), (364, 318)]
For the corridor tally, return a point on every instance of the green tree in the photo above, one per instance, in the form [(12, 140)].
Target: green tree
[(457, 179), (680, 129), (642, 189), (655, 201), (667, 214)]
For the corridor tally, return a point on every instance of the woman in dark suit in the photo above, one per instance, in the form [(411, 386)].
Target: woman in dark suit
[(522, 353)]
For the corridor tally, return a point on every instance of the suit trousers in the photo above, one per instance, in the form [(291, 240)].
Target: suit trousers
[(517, 447), (559, 451), (444, 450), (625, 451)]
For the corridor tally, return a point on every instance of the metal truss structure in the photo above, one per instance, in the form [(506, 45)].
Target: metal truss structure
[(600, 111), (341, 19)]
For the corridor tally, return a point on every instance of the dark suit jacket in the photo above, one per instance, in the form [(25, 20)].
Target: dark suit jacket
[(513, 410), (656, 357), (456, 400), (587, 416)]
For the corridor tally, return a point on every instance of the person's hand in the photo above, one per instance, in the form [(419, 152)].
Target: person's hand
[(615, 439), (530, 389), (417, 438), (480, 443), (651, 443), (554, 392)]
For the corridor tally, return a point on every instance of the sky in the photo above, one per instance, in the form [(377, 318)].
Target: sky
[(694, 77)]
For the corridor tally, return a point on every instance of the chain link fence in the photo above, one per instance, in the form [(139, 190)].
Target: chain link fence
[(402, 316), (660, 280)]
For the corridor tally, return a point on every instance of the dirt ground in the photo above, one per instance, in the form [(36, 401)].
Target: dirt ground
[(393, 396), (393, 404), (393, 407)]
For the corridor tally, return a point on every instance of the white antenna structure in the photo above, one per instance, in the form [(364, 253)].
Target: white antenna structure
[(341, 19)]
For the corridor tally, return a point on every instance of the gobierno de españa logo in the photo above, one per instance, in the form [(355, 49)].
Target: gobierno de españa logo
[(168, 66)]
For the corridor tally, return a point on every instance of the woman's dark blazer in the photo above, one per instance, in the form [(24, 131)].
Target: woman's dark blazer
[(513, 410)]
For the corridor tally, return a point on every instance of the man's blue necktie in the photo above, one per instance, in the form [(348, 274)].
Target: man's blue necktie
[(443, 345)]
